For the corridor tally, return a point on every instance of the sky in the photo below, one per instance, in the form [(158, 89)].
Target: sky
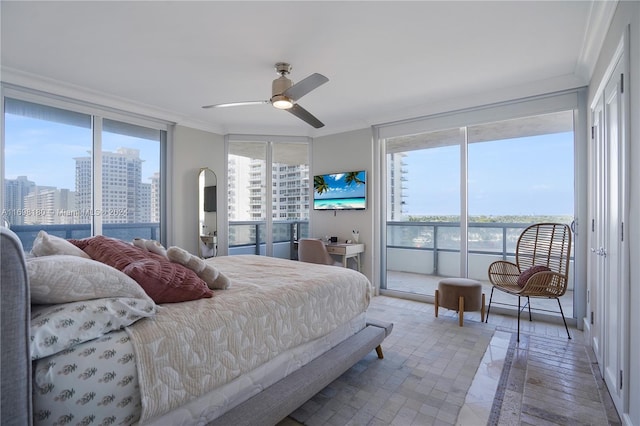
[(525, 176)]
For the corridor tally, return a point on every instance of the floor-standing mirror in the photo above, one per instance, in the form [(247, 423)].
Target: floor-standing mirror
[(207, 213)]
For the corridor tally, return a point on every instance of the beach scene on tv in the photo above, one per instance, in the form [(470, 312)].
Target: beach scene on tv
[(340, 191)]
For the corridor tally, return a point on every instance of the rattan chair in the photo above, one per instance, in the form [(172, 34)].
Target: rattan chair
[(541, 269)]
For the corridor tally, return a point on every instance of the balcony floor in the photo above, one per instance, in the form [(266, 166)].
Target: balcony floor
[(425, 285)]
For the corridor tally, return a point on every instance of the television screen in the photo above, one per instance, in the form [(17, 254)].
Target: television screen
[(340, 191)]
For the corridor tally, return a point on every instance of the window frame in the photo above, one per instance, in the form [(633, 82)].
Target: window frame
[(98, 114), (571, 99)]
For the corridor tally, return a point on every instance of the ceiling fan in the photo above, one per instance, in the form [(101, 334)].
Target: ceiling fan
[(285, 94)]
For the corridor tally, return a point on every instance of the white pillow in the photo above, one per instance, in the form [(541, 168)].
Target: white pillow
[(58, 327), (64, 278), (47, 245)]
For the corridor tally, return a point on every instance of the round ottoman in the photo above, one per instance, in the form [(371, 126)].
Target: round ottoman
[(460, 294)]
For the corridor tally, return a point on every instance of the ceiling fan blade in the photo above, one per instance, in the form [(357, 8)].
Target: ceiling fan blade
[(305, 115), (233, 104), (304, 86)]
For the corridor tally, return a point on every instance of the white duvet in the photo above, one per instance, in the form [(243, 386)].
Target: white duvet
[(273, 306)]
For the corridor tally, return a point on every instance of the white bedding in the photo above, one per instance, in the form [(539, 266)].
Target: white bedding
[(189, 349)]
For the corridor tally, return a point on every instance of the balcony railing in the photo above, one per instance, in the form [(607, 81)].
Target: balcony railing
[(433, 248), (249, 237), (122, 231)]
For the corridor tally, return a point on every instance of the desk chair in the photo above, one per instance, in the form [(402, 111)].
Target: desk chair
[(314, 251)]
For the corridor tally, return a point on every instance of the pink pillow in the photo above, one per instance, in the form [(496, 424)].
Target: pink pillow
[(164, 281), (528, 273)]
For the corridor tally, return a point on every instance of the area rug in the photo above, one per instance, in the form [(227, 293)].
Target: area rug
[(552, 381), (429, 364)]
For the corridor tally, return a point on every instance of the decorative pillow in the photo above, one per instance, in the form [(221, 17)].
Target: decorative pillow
[(215, 279), (528, 273), (64, 278), (167, 282), (47, 245), (58, 327), (163, 280), (152, 245)]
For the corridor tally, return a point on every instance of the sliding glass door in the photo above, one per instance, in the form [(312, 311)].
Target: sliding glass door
[(423, 209), (457, 199), (268, 195), (520, 171)]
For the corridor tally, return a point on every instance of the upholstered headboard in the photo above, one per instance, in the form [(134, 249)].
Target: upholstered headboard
[(15, 363)]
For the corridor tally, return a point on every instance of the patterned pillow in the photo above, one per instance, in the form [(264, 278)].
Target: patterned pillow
[(64, 278), (528, 273), (47, 245), (58, 327), (98, 379), (164, 281)]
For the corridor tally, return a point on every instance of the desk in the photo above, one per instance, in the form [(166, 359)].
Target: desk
[(346, 251)]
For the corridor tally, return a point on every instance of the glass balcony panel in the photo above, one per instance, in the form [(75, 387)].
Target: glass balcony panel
[(426, 171)]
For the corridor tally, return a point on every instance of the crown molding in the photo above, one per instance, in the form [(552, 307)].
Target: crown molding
[(73, 92), (600, 17)]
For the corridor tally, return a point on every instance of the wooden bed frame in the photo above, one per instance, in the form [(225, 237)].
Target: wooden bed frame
[(268, 407)]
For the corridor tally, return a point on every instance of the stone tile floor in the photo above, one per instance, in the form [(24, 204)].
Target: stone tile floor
[(546, 374), (550, 381)]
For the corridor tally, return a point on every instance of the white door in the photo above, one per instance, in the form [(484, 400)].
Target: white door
[(595, 293), (608, 248)]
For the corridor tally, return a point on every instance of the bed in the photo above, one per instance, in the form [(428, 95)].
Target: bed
[(248, 354)]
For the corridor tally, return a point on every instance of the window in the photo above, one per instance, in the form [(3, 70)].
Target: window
[(261, 221), (76, 174), (461, 187)]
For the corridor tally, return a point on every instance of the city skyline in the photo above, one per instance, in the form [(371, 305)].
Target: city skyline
[(47, 150)]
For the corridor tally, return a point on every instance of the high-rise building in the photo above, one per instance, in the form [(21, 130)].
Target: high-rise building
[(14, 192), (238, 188), (125, 199), (155, 198), (396, 171), (290, 191), (48, 205)]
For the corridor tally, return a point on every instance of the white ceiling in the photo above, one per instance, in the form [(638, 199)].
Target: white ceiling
[(385, 61)]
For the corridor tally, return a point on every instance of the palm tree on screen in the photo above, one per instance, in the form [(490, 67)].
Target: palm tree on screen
[(352, 177), (319, 185)]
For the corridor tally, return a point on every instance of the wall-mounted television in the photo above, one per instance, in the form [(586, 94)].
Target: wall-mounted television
[(340, 191)]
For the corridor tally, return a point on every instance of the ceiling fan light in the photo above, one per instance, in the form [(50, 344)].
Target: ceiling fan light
[(281, 102)]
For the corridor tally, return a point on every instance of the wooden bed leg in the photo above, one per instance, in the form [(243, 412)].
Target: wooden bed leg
[(482, 310), (461, 310), (437, 301), (379, 352)]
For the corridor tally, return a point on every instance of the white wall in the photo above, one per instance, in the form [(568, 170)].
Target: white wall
[(191, 150), (628, 14), (346, 152)]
